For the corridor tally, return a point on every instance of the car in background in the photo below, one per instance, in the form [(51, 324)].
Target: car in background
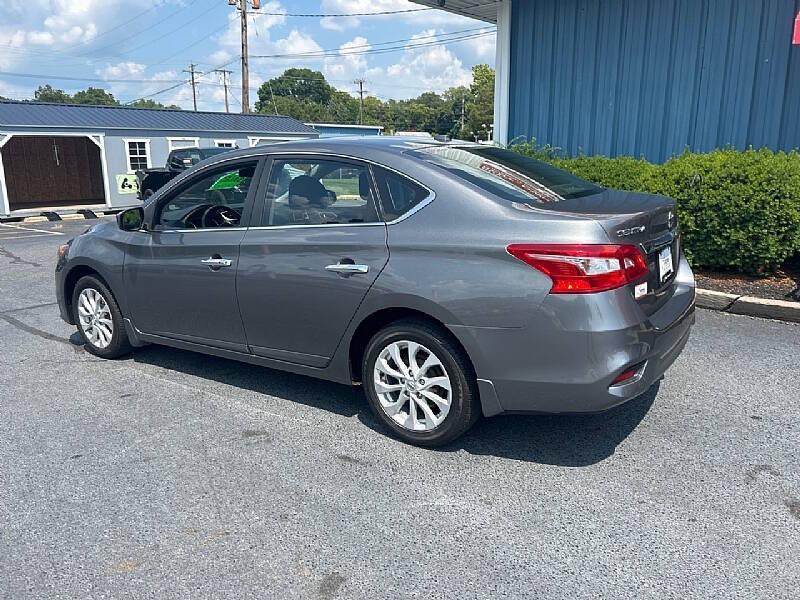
[(178, 161), (449, 280)]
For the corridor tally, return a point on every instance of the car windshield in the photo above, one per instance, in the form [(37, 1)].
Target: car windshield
[(508, 174)]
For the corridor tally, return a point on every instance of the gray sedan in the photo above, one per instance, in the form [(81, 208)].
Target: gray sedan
[(450, 280)]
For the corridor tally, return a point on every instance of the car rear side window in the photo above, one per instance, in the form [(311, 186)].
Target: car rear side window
[(308, 191), (398, 194)]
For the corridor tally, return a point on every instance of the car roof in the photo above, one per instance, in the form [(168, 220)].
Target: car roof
[(366, 147)]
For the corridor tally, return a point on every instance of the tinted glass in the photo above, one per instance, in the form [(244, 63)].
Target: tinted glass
[(186, 158), (213, 199), (398, 195), (318, 192), (508, 174)]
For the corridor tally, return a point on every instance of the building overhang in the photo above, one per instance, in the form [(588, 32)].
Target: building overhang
[(484, 11)]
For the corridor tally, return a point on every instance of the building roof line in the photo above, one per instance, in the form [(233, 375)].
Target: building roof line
[(100, 128), (347, 125), (48, 114)]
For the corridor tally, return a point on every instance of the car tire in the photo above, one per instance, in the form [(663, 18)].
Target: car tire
[(98, 318), (431, 402)]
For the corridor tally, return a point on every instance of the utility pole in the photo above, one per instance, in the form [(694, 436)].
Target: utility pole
[(462, 112), (194, 84), (245, 61), (225, 73), (241, 5), (360, 83)]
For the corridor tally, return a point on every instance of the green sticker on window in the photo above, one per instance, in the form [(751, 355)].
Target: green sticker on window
[(228, 181)]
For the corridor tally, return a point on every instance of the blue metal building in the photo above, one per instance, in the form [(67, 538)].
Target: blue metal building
[(644, 77)]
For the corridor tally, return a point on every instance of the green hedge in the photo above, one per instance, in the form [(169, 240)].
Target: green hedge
[(739, 210)]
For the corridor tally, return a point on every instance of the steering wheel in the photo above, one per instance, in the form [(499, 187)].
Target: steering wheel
[(220, 215)]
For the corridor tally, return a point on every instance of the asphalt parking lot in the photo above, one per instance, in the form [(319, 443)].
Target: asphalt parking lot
[(171, 474)]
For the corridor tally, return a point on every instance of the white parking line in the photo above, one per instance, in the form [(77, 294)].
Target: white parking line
[(39, 231)]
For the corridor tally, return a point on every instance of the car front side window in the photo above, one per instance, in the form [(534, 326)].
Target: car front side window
[(307, 191), (213, 199)]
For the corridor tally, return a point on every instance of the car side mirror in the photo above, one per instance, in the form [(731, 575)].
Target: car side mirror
[(131, 219)]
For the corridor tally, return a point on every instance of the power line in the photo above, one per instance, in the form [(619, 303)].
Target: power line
[(121, 41), (98, 79), (104, 33), (411, 39), (334, 52), (171, 31), (158, 93), (368, 14), (306, 55), (436, 37), (355, 14)]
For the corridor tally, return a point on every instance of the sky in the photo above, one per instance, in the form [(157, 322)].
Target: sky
[(136, 48)]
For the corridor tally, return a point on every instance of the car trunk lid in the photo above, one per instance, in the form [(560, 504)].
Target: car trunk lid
[(645, 220)]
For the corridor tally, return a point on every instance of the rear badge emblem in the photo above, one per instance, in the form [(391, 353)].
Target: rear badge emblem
[(630, 231)]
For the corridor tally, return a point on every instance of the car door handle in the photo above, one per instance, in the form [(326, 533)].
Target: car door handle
[(217, 262), (348, 269)]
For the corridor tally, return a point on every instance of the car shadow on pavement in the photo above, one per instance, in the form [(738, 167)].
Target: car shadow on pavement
[(336, 398), (565, 440)]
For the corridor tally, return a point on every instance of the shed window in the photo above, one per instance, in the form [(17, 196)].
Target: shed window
[(138, 154), (225, 143), (183, 142)]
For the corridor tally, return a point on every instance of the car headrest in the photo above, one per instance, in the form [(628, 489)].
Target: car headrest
[(305, 190), (363, 185)]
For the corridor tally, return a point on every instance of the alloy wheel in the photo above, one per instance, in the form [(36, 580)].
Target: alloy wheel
[(412, 385), (95, 318)]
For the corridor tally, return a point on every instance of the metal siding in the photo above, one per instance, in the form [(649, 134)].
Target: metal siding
[(652, 77), (33, 114)]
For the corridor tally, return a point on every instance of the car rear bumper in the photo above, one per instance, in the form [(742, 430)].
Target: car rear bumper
[(567, 358)]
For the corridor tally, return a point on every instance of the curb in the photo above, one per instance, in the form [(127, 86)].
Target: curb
[(780, 310)]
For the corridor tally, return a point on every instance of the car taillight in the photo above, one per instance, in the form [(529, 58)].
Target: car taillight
[(583, 268)]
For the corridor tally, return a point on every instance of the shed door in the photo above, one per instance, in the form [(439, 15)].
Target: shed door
[(44, 171)]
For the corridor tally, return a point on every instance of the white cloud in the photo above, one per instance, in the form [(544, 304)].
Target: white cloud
[(482, 48), (29, 26), (15, 92), (125, 91), (434, 68), (417, 17), (123, 70)]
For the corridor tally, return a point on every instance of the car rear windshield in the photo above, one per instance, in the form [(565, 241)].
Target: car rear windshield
[(508, 174)]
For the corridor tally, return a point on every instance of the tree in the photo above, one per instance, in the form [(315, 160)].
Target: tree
[(454, 98), (46, 93), (306, 95), (150, 103), (301, 84), (96, 96), (480, 104)]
